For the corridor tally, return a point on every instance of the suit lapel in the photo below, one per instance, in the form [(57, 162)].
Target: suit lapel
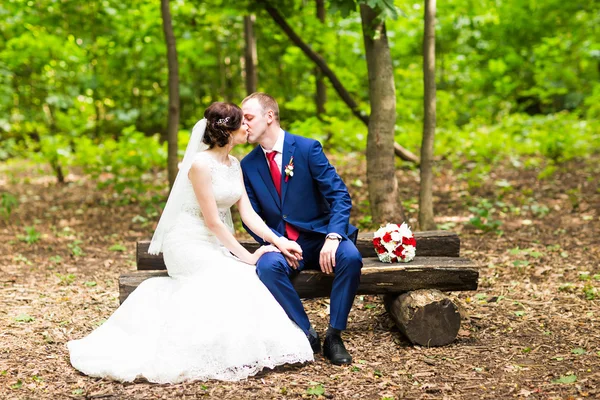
[(260, 163), (289, 146)]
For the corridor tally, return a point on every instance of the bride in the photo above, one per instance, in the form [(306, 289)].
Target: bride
[(212, 318)]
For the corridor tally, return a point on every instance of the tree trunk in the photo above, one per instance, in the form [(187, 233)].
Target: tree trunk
[(54, 162), (321, 95), (426, 317), (426, 221), (401, 152), (173, 118), (381, 171), (250, 54)]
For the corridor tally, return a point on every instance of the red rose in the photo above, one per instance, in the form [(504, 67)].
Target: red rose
[(393, 259), (405, 240), (380, 249), (413, 241), (398, 251), (387, 237), (377, 242)]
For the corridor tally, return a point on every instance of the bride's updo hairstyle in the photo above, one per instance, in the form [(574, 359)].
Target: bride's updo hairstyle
[(221, 120)]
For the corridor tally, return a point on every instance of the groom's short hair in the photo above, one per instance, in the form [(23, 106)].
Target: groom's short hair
[(266, 101)]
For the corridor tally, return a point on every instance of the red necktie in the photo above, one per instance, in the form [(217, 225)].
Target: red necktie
[(290, 231)]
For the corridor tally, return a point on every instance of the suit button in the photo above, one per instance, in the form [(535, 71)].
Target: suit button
[(285, 216)]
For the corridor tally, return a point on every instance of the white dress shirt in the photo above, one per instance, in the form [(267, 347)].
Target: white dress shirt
[(278, 147)]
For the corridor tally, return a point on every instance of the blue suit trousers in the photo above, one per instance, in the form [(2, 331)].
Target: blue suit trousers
[(274, 271)]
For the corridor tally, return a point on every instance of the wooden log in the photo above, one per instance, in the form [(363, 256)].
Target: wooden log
[(426, 317), (429, 244), (443, 273)]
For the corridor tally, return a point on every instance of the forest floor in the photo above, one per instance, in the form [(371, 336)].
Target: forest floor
[(531, 330)]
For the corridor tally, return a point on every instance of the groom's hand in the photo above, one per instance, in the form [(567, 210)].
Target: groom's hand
[(292, 261), (327, 256), (291, 251)]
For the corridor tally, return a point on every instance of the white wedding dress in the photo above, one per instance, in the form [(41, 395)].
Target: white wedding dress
[(212, 318)]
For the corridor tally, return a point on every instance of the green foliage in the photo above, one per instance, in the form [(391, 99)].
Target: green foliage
[(590, 292), (55, 259), (31, 235), (117, 247), (124, 164), (76, 251), (8, 202), (385, 8), (86, 89), (316, 390), (484, 217), (566, 379), (24, 318), (66, 279)]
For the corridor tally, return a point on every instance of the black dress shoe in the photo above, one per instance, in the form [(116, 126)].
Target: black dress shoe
[(334, 350), (315, 342)]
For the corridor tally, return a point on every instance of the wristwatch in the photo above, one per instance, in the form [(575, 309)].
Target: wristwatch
[(334, 236)]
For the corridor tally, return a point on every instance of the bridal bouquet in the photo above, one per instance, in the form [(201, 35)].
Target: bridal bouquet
[(395, 243)]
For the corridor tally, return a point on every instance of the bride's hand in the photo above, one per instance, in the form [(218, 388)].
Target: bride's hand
[(254, 257)]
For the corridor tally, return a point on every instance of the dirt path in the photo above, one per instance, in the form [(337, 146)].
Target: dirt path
[(533, 323)]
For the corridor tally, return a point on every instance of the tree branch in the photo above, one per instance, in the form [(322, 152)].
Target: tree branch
[(400, 151)]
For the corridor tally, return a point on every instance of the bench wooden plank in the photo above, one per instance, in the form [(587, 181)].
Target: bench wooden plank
[(429, 244), (442, 273)]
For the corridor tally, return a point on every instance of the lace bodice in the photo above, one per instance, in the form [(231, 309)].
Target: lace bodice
[(226, 185)]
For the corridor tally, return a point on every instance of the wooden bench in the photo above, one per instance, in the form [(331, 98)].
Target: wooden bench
[(412, 291)]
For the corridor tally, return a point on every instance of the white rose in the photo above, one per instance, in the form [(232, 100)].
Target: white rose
[(409, 253), (385, 258), (389, 246), (396, 237), (405, 230), (380, 232)]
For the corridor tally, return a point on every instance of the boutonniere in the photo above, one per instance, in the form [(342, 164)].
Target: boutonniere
[(289, 169)]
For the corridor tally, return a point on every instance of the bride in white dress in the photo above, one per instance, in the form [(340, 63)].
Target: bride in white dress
[(212, 318)]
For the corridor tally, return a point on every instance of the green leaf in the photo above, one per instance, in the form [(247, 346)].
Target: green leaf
[(17, 385), (519, 313), (117, 247), (24, 318), (566, 379), (90, 283), (584, 276), (578, 351), (78, 392), (55, 259), (378, 373), (317, 390)]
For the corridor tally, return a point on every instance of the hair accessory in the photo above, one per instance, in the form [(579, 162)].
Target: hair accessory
[(223, 121)]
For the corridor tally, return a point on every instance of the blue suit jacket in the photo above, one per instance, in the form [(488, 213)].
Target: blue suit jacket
[(315, 199)]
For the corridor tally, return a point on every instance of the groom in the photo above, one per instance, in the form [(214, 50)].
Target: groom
[(295, 189)]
